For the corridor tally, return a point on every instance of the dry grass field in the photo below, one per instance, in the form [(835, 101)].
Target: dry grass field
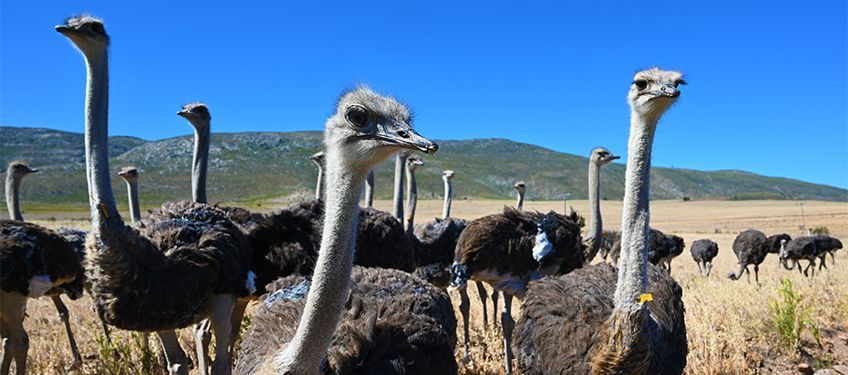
[(730, 324)]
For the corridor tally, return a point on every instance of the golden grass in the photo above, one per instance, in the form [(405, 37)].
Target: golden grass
[(728, 322)]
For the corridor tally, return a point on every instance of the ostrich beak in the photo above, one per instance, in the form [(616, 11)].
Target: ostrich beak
[(65, 29), (615, 157), (33, 170), (405, 136), (184, 114)]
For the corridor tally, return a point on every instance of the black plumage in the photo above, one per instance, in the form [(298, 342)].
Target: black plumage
[(703, 251)]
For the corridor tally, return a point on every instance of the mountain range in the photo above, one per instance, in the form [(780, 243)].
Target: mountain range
[(253, 167)]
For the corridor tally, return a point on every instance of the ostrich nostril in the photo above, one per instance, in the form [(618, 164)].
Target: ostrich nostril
[(403, 134)]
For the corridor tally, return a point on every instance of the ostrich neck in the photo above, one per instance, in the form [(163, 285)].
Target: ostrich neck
[(369, 189), (104, 213), (633, 271), (331, 279), (12, 197), (520, 204), (200, 163), (400, 165), (597, 224), (448, 199), (132, 192), (320, 184), (412, 200)]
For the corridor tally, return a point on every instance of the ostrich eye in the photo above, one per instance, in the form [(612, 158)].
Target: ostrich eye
[(641, 84), (357, 115)]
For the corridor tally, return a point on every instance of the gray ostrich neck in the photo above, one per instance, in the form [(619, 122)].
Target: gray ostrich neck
[(319, 187), (200, 163), (448, 199), (412, 200), (104, 213), (132, 192), (597, 224), (400, 165), (12, 197), (633, 271), (331, 280), (369, 190), (520, 204)]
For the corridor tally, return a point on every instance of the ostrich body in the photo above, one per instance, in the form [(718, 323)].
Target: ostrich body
[(609, 238), (365, 129), (435, 241), (703, 251), (662, 248), (507, 251), (181, 263), (594, 239), (809, 248), (35, 262), (599, 319), (751, 248)]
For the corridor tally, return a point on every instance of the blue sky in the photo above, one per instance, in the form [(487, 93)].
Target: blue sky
[(768, 81)]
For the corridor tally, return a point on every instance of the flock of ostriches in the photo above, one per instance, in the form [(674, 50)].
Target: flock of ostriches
[(349, 289)]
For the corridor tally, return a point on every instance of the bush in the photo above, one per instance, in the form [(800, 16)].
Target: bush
[(790, 319), (821, 230)]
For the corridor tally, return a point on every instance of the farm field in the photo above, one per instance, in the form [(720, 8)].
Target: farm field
[(730, 324)]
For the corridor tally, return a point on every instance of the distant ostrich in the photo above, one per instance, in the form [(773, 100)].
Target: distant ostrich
[(318, 159), (751, 247), (594, 239), (183, 262), (391, 322), (703, 251), (436, 241), (507, 251), (609, 238), (130, 175), (35, 262), (809, 248), (671, 247), (592, 321), (412, 163), (521, 188)]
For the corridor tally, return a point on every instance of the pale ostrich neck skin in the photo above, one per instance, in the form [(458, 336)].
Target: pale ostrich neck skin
[(132, 192), (400, 166), (13, 185), (319, 186), (448, 195), (369, 189), (597, 224), (412, 192), (200, 161), (520, 203), (331, 279)]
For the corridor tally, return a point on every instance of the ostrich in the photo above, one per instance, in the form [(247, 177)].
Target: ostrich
[(520, 188), (594, 239), (369, 189), (435, 241), (35, 262), (130, 175), (809, 248), (318, 159), (412, 163), (182, 263), (592, 321), (400, 167), (751, 247), (669, 247), (609, 239), (703, 251), (507, 251), (388, 321)]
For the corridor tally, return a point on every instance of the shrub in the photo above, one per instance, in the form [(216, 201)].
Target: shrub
[(821, 230), (790, 318)]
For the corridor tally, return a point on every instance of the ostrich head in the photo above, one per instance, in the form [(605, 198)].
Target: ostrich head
[(414, 162), (368, 128), (601, 156), (519, 186), (130, 174), (653, 91), (318, 159), (447, 174), (19, 169), (87, 33), (197, 114)]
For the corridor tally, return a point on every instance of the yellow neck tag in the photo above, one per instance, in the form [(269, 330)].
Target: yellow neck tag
[(647, 297)]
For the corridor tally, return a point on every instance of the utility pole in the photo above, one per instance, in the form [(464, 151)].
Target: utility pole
[(565, 203)]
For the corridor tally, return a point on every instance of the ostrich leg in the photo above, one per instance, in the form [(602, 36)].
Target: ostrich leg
[(481, 290), (63, 314), (221, 311), (15, 340), (507, 324), (464, 305), (174, 355), (202, 338), (495, 295), (757, 273)]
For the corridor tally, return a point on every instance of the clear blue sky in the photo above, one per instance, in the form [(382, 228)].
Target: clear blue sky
[(768, 80)]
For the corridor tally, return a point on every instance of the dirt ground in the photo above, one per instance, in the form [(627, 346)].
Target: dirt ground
[(729, 323)]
